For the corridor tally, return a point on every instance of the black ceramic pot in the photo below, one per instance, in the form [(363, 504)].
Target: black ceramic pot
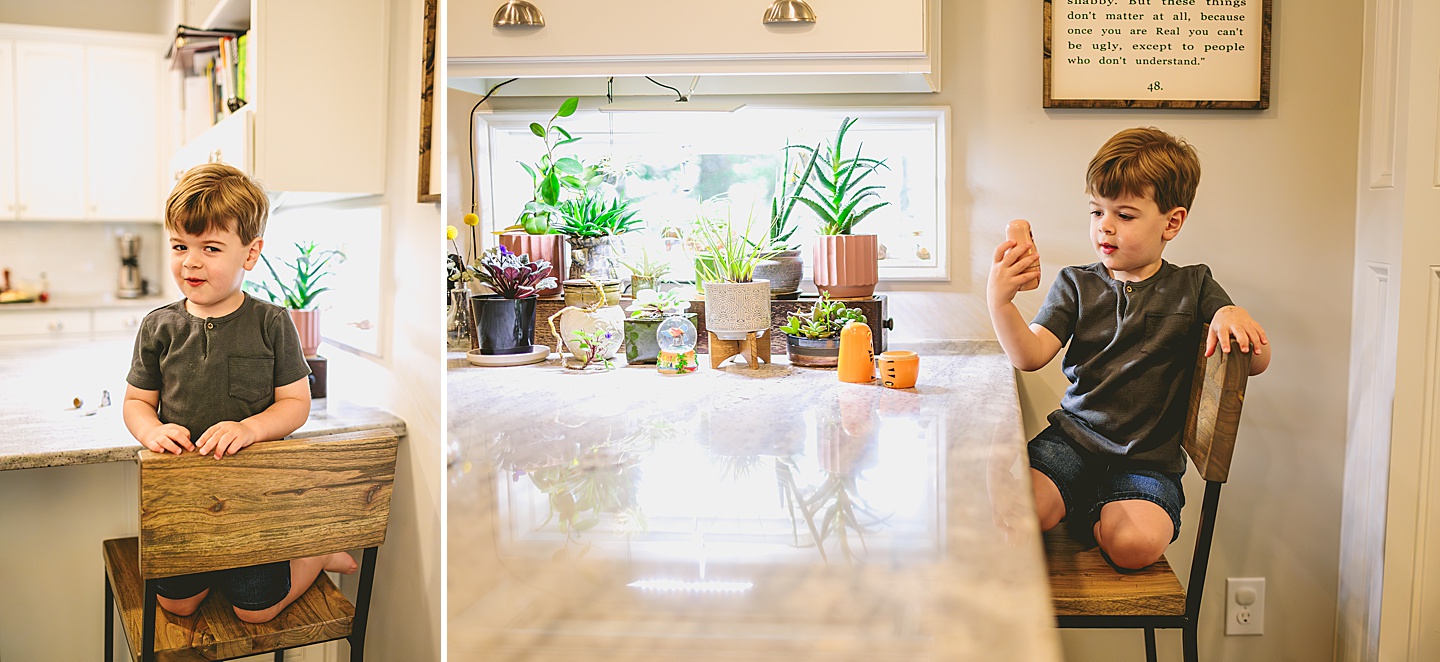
[(505, 326)]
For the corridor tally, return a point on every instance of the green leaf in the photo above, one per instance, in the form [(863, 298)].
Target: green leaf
[(536, 129), (567, 108), (569, 165), (550, 189)]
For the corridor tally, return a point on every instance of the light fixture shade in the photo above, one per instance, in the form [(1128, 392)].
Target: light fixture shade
[(789, 11), (518, 13)]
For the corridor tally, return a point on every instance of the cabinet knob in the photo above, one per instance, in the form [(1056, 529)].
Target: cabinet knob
[(24, 207), (56, 326), (179, 174), (215, 156)]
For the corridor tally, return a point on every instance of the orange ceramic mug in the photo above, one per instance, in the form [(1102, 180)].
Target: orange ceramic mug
[(898, 369)]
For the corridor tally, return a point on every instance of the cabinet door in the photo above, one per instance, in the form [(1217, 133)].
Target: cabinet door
[(122, 128), (50, 133), (21, 323), (8, 208)]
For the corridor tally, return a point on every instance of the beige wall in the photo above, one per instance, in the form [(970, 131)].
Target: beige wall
[(405, 609), (1274, 219), (119, 15)]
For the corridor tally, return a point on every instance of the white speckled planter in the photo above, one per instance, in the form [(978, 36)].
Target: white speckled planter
[(734, 309)]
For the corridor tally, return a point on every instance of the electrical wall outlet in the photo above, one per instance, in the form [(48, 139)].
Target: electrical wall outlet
[(1244, 605)]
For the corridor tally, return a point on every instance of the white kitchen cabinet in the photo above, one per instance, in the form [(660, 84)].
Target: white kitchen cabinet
[(122, 165), (315, 121), (79, 125), (893, 44), (8, 204), (50, 130), (118, 321), (40, 323)]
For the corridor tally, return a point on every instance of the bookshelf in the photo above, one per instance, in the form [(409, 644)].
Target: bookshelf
[(314, 121)]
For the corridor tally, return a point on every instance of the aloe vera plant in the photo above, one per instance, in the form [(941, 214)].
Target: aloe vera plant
[(836, 192), (304, 285)]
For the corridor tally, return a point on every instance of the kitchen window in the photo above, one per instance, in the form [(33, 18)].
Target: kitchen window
[(671, 162)]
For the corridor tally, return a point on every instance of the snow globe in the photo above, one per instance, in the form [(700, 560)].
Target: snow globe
[(676, 337)]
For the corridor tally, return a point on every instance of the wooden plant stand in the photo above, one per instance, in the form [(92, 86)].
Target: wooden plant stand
[(753, 349)]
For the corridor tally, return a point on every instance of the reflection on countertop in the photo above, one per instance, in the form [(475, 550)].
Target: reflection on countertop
[(40, 380), (771, 514)]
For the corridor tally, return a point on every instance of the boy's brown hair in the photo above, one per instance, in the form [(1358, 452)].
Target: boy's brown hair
[(1145, 162), (216, 196)]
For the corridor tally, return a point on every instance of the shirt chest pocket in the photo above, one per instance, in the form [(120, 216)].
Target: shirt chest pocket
[(252, 378), (1166, 332)]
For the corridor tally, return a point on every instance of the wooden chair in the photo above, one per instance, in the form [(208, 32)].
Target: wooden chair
[(1090, 593), (272, 501)]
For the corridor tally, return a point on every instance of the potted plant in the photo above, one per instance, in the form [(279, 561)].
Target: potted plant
[(645, 273), (813, 338), (506, 319), (534, 232), (650, 309), (459, 328), (299, 295), (593, 223), (846, 265), (785, 268), (735, 302)]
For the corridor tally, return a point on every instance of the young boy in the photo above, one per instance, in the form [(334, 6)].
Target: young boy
[(1112, 454), (219, 370)]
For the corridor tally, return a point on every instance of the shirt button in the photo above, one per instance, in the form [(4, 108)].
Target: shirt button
[(1127, 289), (211, 325)]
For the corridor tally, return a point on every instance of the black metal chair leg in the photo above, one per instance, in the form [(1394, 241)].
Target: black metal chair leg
[(362, 605), (147, 620), (279, 656), (1150, 645), (109, 622), (1192, 644)]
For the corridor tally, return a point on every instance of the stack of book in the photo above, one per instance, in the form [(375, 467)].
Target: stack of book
[(215, 67)]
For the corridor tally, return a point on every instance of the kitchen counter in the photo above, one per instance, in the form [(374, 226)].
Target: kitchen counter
[(40, 380), (770, 514), (73, 301)]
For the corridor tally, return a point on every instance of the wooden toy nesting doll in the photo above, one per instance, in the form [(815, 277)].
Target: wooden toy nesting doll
[(857, 354)]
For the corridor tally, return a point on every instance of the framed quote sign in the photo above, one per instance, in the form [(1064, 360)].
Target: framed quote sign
[(1157, 54)]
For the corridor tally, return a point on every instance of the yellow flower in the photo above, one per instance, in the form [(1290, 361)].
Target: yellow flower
[(451, 232), (472, 219)]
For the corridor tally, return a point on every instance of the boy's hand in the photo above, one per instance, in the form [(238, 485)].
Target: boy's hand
[(1234, 322), (1008, 272), (167, 437), (225, 438)]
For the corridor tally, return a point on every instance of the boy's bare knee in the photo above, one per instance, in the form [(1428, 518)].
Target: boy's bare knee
[(1132, 547), (183, 607), (1049, 505), (257, 616)]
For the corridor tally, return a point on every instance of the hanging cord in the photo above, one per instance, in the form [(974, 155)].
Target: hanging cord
[(475, 183), (676, 91)]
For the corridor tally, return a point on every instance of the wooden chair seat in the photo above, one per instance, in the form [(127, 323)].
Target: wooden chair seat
[(1082, 583), (214, 633)]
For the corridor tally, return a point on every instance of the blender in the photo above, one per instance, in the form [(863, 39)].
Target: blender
[(132, 285)]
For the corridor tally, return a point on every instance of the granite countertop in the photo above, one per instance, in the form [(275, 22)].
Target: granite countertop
[(770, 514), (74, 301), (40, 380)]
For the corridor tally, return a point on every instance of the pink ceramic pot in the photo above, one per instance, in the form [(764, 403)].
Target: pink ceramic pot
[(307, 322), (847, 266), (548, 247)]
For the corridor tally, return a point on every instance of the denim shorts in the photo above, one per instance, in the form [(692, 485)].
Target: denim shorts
[(1088, 481), (251, 588)]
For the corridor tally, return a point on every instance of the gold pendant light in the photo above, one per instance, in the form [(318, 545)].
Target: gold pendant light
[(789, 11), (518, 13)]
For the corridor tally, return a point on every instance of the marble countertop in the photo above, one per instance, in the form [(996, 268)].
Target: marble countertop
[(74, 301), (40, 380), (770, 514)]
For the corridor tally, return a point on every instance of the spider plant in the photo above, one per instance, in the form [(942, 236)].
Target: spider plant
[(836, 192), (647, 267), (726, 255)]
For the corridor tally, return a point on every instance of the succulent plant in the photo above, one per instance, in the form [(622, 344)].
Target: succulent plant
[(825, 320), (512, 276)]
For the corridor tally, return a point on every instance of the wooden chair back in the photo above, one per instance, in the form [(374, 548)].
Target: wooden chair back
[(272, 501), (1217, 394)]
